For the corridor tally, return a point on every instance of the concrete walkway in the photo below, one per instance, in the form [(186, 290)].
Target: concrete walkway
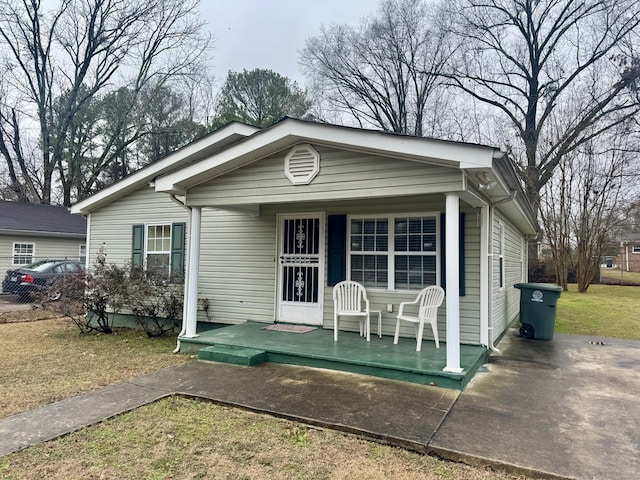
[(561, 409)]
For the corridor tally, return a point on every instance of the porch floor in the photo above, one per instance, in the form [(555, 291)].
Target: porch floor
[(351, 353)]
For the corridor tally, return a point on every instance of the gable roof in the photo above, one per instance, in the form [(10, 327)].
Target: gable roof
[(237, 145), (29, 218), (290, 131)]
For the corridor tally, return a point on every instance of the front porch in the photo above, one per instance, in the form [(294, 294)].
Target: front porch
[(352, 353)]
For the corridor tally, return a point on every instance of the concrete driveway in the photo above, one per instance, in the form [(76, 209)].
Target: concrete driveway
[(569, 407)]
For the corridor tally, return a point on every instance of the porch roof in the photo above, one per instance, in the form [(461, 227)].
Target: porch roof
[(290, 131)]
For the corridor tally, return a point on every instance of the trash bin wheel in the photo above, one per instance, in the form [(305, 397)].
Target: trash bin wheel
[(526, 331)]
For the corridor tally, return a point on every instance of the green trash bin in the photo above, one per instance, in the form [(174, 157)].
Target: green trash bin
[(538, 309)]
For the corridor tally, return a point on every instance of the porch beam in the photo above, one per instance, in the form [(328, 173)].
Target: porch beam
[(452, 238), (193, 268)]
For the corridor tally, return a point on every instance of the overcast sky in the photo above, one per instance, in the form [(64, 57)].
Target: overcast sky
[(269, 33)]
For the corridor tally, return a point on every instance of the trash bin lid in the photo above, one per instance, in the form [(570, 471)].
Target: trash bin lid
[(550, 287)]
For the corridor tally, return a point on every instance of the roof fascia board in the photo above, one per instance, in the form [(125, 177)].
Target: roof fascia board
[(36, 233), (172, 161), (291, 131)]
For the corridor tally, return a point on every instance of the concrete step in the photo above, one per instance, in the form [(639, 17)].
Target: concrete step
[(232, 354)]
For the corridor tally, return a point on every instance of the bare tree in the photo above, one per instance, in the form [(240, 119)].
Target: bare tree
[(384, 72), (531, 59), (580, 205), (56, 61)]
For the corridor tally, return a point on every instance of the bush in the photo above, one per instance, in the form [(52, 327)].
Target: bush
[(156, 302)]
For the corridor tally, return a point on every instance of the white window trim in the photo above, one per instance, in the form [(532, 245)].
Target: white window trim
[(390, 253), (80, 252), (501, 260), (633, 249), (13, 253), (156, 252)]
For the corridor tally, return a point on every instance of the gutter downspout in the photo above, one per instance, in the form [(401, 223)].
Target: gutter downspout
[(492, 208), (186, 284)]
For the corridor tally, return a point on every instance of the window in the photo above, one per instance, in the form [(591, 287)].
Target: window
[(394, 252), (636, 249), (82, 253), (23, 253), (501, 255), (159, 248)]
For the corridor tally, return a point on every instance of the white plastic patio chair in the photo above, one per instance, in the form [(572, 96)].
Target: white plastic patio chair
[(350, 300), (428, 301)]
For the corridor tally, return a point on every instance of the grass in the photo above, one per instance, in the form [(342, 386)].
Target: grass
[(177, 437), (46, 361), (193, 439), (619, 276), (605, 310)]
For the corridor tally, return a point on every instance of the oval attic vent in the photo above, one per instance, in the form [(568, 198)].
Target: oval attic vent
[(301, 164)]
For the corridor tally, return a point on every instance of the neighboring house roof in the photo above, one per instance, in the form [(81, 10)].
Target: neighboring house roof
[(19, 218), (200, 161)]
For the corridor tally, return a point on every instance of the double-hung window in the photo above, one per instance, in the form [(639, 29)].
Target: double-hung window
[(394, 252), (23, 253), (636, 249), (159, 247)]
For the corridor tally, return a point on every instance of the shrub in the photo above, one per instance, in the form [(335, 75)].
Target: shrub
[(156, 302)]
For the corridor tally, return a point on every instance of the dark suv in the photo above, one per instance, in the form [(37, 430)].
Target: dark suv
[(37, 276)]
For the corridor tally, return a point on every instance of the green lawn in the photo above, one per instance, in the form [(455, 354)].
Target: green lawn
[(619, 276), (605, 310)]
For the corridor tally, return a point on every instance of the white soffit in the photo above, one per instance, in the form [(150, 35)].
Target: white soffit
[(291, 131)]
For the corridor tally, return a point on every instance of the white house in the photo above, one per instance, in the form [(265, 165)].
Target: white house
[(266, 221)]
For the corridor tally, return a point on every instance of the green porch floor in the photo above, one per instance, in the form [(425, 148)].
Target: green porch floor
[(351, 353)]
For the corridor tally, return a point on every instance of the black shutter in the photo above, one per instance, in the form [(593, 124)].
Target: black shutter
[(443, 243), (337, 249), (137, 246), (178, 236)]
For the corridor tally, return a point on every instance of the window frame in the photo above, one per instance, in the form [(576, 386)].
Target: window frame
[(14, 254), (82, 246), (157, 252), (391, 253), (633, 249)]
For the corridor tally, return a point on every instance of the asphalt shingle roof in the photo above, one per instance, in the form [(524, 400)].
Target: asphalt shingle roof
[(29, 217)]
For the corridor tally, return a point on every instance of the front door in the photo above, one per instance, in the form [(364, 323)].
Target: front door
[(301, 268)]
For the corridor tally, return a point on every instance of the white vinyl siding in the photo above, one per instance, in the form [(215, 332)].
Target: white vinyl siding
[(237, 266), (111, 225), (340, 177), (45, 247), (506, 300)]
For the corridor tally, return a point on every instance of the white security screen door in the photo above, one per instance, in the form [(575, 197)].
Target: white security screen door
[(301, 268)]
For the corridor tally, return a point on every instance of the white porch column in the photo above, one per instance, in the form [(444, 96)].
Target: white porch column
[(193, 268), (484, 275), (452, 238)]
